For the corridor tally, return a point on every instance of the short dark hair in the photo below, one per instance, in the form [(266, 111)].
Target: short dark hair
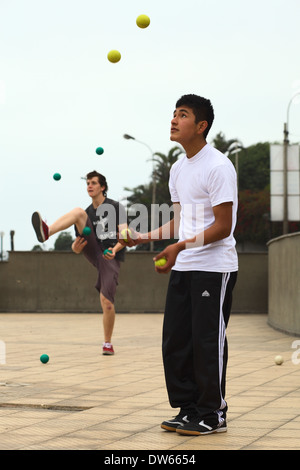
[(202, 108), (101, 179)]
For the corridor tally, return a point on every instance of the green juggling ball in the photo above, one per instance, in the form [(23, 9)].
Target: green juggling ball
[(44, 358)]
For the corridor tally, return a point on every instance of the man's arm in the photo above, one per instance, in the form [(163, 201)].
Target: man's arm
[(165, 232), (219, 230), (79, 244)]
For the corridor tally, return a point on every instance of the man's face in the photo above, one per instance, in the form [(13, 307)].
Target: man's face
[(183, 126), (93, 187)]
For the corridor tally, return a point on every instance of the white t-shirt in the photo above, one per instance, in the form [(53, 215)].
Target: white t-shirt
[(198, 184)]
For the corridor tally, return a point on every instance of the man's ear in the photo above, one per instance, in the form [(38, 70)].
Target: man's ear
[(202, 125)]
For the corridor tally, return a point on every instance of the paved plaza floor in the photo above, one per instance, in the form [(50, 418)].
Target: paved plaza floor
[(81, 400)]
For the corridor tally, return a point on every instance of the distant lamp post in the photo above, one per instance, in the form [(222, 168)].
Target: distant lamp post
[(129, 137), (2, 235), (12, 234), (234, 149), (285, 166)]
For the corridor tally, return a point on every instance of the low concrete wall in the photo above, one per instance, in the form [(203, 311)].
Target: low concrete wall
[(284, 283), (64, 282)]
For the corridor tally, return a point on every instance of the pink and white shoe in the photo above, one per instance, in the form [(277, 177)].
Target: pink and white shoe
[(107, 349), (40, 227)]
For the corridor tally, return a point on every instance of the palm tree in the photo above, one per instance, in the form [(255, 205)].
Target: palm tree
[(220, 142), (142, 194), (162, 171)]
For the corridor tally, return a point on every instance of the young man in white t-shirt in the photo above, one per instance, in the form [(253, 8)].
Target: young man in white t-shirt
[(204, 266)]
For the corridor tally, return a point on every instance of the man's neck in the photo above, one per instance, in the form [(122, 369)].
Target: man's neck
[(193, 149), (98, 200)]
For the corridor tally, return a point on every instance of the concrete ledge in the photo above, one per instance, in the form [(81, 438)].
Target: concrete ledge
[(64, 282), (284, 283)]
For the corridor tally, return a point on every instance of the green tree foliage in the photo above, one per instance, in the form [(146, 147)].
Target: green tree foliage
[(220, 142), (63, 242), (37, 248), (252, 163), (253, 218), (253, 172), (254, 167)]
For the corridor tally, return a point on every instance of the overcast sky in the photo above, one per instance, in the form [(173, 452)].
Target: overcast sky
[(60, 98)]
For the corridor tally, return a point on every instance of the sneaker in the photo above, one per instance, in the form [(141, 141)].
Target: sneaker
[(178, 421), (40, 227), (196, 427), (107, 349)]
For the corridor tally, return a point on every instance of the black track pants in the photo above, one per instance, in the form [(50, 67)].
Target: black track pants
[(197, 311)]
